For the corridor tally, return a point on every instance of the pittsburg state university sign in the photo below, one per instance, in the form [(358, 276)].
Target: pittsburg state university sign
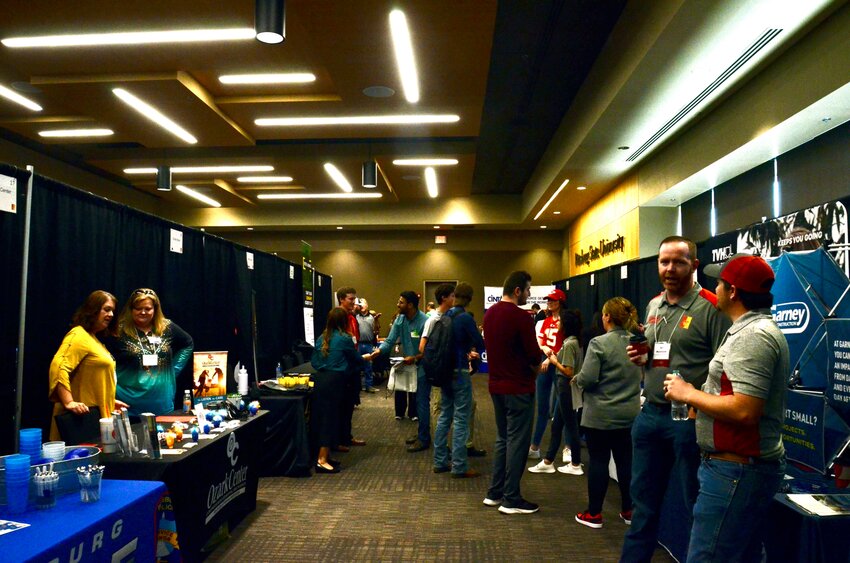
[(604, 248)]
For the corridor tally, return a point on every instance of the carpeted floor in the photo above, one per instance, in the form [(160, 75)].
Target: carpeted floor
[(387, 505)]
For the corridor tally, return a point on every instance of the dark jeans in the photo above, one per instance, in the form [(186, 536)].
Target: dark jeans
[(660, 445), (514, 416), (565, 419), (327, 396), (423, 407), (350, 397), (405, 401), (600, 445), (543, 388)]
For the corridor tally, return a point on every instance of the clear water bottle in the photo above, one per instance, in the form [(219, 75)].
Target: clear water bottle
[(678, 409), (278, 371), (187, 400)]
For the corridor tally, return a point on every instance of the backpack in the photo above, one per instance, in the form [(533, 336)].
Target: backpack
[(438, 359)]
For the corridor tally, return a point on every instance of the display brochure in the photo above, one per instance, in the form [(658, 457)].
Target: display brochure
[(208, 374), (823, 505), (8, 193), (7, 526)]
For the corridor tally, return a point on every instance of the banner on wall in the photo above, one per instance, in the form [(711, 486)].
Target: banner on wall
[(208, 374), (8, 193), (493, 294)]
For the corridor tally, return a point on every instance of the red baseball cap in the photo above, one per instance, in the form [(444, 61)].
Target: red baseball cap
[(556, 295), (745, 271)]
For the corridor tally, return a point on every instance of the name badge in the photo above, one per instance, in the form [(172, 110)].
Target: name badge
[(414, 334), (149, 360), (661, 355), (154, 339)]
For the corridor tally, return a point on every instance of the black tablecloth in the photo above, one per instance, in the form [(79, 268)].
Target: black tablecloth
[(797, 535), (286, 446), (213, 483)]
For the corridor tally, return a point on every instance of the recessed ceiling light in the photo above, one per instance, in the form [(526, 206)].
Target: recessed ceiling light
[(425, 162), (197, 195), (404, 59), (264, 179), (431, 182), (131, 38), (543, 226), (18, 99), (154, 115), (436, 226), (338, 178), (339, 228), (581, 188), (378, 92), (76, 133), (279, 78), (623, 148), (412, 119), (556, 213), (203, 169), (551, 199), (250, 228), (358, 195)]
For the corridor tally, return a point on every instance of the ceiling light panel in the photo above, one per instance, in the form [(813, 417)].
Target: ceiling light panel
[(431, 182), (198, 196), (263, 179), (279, 78), (403, 46), (338, 177), (76, 133), (13, 96), (357, 120), (358, 195), (131, 38), (551, 199), (425, 162), (154, 115), (204, 169)]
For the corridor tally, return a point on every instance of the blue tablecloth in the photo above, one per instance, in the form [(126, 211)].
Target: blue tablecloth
[(119, 527)]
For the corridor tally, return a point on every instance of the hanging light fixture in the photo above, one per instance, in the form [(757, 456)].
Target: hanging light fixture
[(270, 21), (370, 174), (163, 178)]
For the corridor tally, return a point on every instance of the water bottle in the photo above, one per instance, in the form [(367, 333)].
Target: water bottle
[(278, 371), (678, 409), (187, 401)]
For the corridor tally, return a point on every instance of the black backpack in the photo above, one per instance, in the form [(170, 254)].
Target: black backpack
[(438, 359)]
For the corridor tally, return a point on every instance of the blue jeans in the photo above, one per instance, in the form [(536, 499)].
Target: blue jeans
[(423, 407), (455, 410), (565, 420), (366, 348), (660, 445), (514, 415), (729, 515), (544, 397)]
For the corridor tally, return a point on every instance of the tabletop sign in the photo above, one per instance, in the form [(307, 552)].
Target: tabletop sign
[(291, 272), (176, 241), (249, 258), (8, 194)]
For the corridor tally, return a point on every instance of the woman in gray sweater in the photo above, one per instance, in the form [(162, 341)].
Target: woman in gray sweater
[(611, 390)]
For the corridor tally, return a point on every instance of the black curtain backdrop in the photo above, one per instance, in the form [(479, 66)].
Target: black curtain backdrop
[(323, 301), (80, 242)]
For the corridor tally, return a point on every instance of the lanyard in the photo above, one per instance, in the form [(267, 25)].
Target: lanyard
[(675, 326), (142, 346)]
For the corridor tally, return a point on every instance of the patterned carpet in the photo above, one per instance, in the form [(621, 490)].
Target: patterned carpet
[(387, 505)]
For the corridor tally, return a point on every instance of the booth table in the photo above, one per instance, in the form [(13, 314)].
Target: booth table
[(211, 484), (121, 526), (286, 446)]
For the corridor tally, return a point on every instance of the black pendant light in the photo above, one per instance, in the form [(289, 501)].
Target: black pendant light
[(270, 21), (163, 178)]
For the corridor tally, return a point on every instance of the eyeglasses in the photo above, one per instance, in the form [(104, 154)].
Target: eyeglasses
[(144, 292)]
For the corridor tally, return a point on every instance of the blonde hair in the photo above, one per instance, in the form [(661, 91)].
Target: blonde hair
[(126, 325), (622, 313)]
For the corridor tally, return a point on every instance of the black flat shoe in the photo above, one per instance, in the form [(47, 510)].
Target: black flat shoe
[(335, 462), (323, 469)]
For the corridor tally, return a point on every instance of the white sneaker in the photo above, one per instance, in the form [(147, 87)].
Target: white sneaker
[(567, 456), (533, 454), (571, 469), (492, 501), (543, 467)]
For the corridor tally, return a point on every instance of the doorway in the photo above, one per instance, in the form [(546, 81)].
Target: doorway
[(428, 289)]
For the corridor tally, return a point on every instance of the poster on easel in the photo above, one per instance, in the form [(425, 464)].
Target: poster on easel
[(209, 378)]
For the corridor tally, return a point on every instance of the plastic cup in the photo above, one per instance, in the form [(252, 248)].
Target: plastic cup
[(90, 486), (54, 450), (16, 461), (46, 491), (17, 494)]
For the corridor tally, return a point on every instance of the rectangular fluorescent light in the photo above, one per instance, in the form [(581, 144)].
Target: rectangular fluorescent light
[(13, 96), (203, 169), (278, 78), (358, 195), (404, 59), (337, 177), (431, 181), (131, 38), (551, 199), (76, 133), (197, 195), (357, 120), (264, 179), (154, 115), (425, 162)]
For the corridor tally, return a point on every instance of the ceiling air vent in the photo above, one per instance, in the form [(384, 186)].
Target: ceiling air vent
[(745, 57)]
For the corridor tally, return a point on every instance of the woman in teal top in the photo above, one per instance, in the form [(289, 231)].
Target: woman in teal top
[(335, 357), (150, 352)]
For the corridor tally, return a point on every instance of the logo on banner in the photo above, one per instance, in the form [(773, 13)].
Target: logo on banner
[(722, 253), (792, 317), (232, 448)]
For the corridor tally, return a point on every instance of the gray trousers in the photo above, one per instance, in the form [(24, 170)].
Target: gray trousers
[(514, 417)]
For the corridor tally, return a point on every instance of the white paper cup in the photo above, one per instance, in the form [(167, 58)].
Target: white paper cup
[(107, 436)]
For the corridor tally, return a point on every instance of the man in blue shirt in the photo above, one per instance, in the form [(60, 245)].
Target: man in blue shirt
[(406, 331)]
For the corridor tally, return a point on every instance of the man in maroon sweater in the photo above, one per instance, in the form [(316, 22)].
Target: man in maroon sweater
[(513, 358)]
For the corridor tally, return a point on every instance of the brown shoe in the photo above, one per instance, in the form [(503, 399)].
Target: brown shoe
[(418, 446), (357, 442), (341, 448), (469, 473)]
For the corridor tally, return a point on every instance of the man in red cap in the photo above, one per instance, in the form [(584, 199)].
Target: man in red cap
[(740, 411)]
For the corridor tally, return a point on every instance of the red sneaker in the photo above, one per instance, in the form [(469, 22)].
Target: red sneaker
[(590, 520), (626, 517)]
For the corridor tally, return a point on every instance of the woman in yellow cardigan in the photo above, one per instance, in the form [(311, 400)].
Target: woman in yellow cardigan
[(82, 373)]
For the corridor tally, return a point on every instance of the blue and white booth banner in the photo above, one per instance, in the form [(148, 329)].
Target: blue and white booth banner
[(802, 433), (493, 294)]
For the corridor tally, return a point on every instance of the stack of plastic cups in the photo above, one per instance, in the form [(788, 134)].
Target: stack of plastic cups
[(30, 442), (17, 482), (54, 451)]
